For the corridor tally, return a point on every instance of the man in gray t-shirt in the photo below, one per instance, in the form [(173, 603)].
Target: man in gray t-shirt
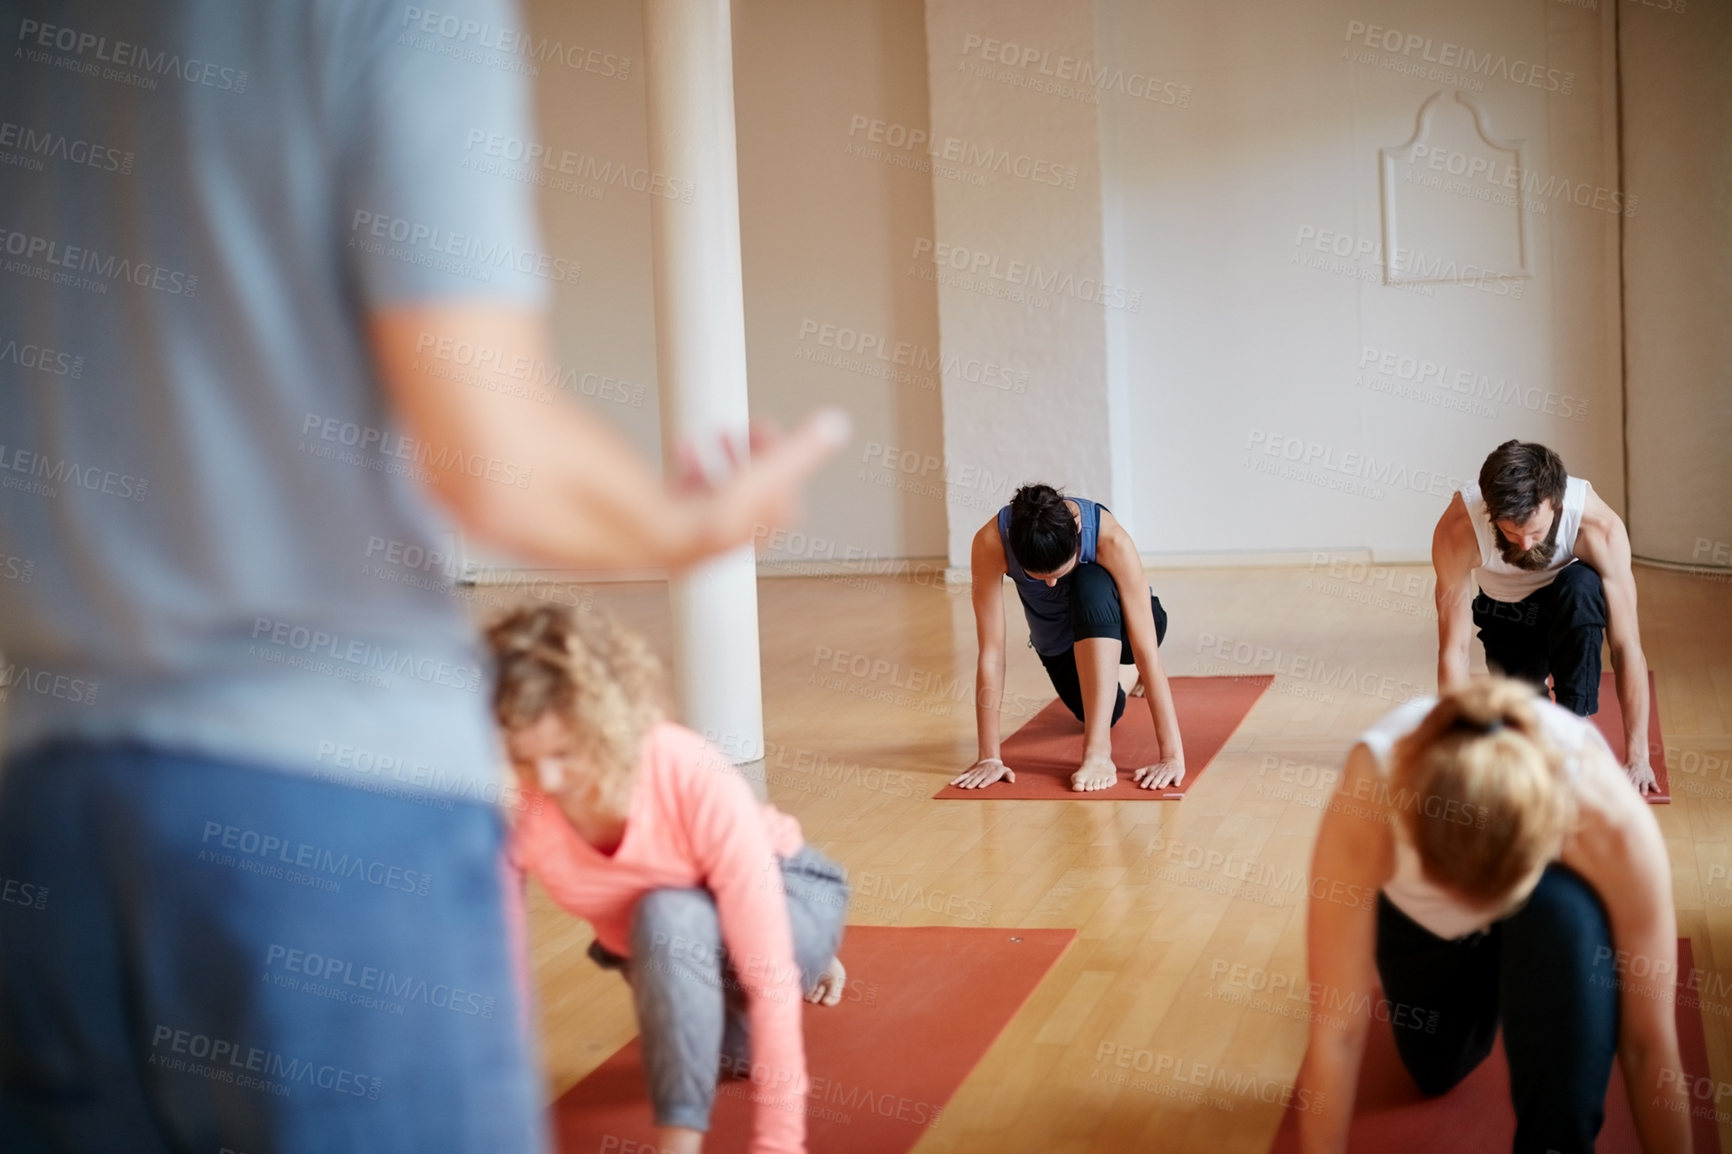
[(250, 779)]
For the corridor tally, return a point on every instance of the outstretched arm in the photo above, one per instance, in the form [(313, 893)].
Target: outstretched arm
[(1454, 556), (559, 485), (1604, 543), (986, 561), (1619, 851), (1118, 553), (1354, 856)]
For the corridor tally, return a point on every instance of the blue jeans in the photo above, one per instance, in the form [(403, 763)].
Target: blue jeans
[(691, 1008), (226, 957)]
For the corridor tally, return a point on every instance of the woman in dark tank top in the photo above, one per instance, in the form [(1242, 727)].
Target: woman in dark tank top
[(1082, 587)]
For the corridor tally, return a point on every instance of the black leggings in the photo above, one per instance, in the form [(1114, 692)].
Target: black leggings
[(1545, 973), (1095, 612), (1555, 630)]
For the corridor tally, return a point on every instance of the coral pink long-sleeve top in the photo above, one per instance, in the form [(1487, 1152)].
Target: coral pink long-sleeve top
[(692, 821)]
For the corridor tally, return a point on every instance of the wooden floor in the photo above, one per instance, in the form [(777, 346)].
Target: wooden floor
[(856, 759)]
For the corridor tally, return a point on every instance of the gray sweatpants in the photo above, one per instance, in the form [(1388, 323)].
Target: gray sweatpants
[(691, 1008)]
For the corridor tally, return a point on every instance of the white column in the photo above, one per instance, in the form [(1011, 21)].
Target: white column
[(701, 348)]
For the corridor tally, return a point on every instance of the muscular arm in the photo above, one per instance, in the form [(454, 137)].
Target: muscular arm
[(1356, 849), (1618, 849), (1605, 544), (1116, 551), (586, 498), (1454, 556)]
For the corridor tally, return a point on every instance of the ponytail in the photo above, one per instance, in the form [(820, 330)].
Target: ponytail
[(1043, 531), (1484, 796)]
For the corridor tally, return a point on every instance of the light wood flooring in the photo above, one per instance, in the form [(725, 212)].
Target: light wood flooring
[(856, 759)]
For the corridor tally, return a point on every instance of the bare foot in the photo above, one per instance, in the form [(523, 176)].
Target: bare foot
[(1096, 773), (827, 991), (1130, 681)]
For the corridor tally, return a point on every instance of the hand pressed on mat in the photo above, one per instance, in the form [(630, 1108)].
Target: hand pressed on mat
[(1167, 774), (827, 990), (983, 773)]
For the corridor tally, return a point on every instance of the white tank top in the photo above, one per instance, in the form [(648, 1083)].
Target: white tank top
[(1409, 889), (1500, 580)]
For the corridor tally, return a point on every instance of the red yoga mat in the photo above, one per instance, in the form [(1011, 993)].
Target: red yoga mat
[(924, 1003), (1610, 719), (1390, 1114), (1048, 747)]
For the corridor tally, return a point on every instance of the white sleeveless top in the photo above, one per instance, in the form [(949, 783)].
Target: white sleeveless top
[(1500, 580), (1409, 889)]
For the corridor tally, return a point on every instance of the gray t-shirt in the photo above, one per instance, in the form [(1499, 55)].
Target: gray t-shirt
[(212, 535)]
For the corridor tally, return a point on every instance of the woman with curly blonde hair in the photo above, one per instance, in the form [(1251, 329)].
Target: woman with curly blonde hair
[(708, 901), (1485, 858)]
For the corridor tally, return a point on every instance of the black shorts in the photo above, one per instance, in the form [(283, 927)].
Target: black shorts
[(1095, 611)]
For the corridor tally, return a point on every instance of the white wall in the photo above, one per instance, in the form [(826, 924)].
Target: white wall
[(1226, 147), (1017, 256), (827, 217), (821, 229), (1222, 206), (1677, 104)]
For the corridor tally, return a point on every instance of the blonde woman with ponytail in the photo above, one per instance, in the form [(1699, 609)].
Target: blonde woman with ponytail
[(708, 901), (1486, 861)]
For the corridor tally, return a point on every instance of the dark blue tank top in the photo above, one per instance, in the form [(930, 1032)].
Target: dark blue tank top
[(1048, 607)]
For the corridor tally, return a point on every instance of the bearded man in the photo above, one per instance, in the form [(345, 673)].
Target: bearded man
[(1552, 565)]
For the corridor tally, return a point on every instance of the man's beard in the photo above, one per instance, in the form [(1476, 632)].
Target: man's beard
[(1540, 555)]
